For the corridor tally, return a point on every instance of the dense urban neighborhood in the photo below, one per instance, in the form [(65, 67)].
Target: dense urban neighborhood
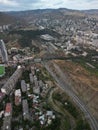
[(49, 71)]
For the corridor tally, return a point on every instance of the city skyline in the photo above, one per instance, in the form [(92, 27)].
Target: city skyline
[(18, 5)]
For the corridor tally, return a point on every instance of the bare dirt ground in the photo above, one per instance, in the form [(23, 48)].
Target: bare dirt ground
[(83, 83)]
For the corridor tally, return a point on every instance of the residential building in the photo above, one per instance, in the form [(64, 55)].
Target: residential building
[(31, 78), (25, 109), (7, 117), (3, 52), (10, 84), (17, 97), (23, 86)]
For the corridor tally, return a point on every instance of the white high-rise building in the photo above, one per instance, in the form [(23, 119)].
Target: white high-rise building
[(3, 52)]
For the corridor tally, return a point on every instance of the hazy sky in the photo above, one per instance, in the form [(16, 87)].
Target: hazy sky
[(8, 5)]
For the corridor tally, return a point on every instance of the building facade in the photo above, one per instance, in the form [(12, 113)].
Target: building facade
[(4, 54)]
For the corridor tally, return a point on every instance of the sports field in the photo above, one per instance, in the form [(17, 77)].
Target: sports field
[(2, 70)]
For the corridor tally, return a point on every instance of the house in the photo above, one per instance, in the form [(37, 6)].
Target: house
[(8, 109), (49, 113), (17, 97), (28, 87), (14, 50)]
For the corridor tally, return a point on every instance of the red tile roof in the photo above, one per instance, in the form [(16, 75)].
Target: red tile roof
[(8, 108)]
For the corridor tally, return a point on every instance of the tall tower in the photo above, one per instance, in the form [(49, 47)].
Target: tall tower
[(3, 52)]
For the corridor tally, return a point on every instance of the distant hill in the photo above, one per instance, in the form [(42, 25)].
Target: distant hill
[(92, 11), (6, 19), (30, 15)]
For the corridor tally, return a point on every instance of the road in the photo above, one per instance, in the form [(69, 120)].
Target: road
[(61, 80), (58, 107)]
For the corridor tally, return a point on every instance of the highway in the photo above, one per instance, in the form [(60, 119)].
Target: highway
[(63, 83)]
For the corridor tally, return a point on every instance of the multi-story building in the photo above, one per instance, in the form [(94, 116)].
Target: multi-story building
[(7, 117), (17, 97), (23, 86), (25, 109), (31, 78), (36, 87), (10, 84), (3, 52)]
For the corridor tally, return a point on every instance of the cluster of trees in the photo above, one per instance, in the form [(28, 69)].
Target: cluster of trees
[(25, 76), (25, 41), (9, 71), (72, 109), (69, 106), (82, 125), (54, 126), (27, 35)]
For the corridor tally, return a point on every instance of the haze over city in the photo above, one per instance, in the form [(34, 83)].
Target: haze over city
[(17, 5)]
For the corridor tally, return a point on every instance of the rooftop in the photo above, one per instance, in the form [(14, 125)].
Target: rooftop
[(8, 108)]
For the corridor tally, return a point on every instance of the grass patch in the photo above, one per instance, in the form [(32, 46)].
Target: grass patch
[(82, 61), (2, 70)]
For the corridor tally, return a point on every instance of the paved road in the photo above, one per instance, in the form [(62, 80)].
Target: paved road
[(61, 80)]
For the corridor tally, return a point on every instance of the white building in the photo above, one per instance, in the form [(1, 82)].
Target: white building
[(3, 52)]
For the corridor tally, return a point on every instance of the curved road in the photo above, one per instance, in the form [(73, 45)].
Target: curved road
[(57, 106), (61, 80)]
